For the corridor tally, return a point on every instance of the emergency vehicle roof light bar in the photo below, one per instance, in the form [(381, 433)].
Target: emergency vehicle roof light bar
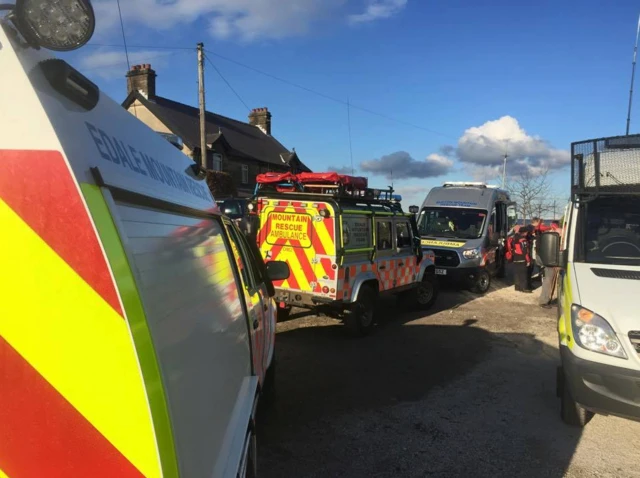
[(465, 184)]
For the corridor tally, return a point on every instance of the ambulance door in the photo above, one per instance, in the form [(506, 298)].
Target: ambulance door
[(405, 259), (255, 298), (385, 252)]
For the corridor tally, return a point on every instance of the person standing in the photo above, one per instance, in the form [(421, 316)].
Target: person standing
[(519, 249)]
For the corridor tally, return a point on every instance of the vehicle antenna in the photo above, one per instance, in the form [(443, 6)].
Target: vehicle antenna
[(349, 125), (633, 72)]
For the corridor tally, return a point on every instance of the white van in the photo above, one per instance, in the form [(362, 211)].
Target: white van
[(599, 257), (466, 225), (136, 326)]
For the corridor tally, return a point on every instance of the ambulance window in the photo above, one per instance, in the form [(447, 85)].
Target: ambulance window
[(383, 235), (403, 238)]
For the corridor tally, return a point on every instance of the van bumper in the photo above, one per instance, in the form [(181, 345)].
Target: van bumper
[(603, 389), (464, 275)]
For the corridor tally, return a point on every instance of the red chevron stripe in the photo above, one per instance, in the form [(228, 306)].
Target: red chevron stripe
[(38, 186), (41, 434)]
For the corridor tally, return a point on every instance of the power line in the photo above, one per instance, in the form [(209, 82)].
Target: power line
[(123, 63), (328, 97), (300, 87), (146, 47), (290, 83), (349, 124), (124, 37), (126, 50), (225, 80)]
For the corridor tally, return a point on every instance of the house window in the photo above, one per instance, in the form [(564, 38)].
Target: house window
[(245, 174), (217, 162)]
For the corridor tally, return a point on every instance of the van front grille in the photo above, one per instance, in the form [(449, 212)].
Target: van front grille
[(446, 258), (616, 273)]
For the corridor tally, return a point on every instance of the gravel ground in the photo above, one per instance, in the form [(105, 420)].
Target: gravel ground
[(466, 390)]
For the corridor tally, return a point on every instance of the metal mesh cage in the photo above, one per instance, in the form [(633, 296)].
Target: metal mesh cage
[(606, 165)]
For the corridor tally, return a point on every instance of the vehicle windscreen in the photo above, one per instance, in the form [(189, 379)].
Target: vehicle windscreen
[(611, 231), (452, 222)]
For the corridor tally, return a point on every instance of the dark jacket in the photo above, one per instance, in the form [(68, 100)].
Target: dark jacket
[(519, 246)]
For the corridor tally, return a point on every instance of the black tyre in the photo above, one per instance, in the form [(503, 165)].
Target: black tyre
[(427, 292), (421, 297), (570, 411), (482, 282), (283, 314), (359, 319)]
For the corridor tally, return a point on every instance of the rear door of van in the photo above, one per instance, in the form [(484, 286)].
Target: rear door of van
[(302, 235)]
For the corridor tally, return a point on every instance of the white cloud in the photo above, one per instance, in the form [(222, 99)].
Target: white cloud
[(483, 147), (110, 64), (401, 165), (245, 20), (377, 10), (343, 169)]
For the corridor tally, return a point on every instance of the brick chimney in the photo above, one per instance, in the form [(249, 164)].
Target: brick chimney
[(261, 118), (143, 79)]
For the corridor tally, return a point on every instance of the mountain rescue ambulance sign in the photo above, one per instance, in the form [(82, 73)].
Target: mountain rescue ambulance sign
[(294, 228)]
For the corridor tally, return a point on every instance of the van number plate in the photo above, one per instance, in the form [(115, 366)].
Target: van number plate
[(441, 272)]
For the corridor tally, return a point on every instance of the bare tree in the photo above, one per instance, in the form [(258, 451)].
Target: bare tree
[(531, 193)]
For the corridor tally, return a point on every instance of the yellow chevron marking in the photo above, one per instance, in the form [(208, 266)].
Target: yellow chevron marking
[(75, 340)]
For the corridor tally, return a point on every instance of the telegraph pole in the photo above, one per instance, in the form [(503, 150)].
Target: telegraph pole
[(203, 123)]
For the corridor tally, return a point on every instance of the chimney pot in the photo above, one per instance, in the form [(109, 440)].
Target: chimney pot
[(261, 118), (143, 79)]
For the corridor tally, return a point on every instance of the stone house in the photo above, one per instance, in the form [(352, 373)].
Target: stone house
[(241, 149)]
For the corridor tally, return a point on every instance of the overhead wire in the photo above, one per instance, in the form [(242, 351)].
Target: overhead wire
[(347, 103), (225, 80), (126, 50)]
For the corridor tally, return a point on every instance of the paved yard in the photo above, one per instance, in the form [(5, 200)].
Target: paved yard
[(466, 390)]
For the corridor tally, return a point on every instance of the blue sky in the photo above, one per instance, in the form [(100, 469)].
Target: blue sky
[(463, 79)]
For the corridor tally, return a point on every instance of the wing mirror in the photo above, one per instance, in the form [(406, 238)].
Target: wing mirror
[(549, 250), (278, 270)]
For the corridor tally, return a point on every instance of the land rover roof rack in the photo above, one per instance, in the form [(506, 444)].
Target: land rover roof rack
[(331, 184), (608, 166)]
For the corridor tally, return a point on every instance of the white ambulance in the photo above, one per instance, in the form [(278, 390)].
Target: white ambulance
[(136, 326), (599, 262)]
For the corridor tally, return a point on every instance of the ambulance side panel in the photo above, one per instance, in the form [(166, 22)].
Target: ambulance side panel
[(186, 279), (73, 400), (121, 325), (296, 232)]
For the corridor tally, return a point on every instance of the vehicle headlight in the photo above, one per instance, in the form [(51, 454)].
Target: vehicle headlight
[(471, 253), (592, 332), (60, 25)]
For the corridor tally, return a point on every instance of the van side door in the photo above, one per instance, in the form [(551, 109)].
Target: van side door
[(492, 241), (404, 252), (256, 299)]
